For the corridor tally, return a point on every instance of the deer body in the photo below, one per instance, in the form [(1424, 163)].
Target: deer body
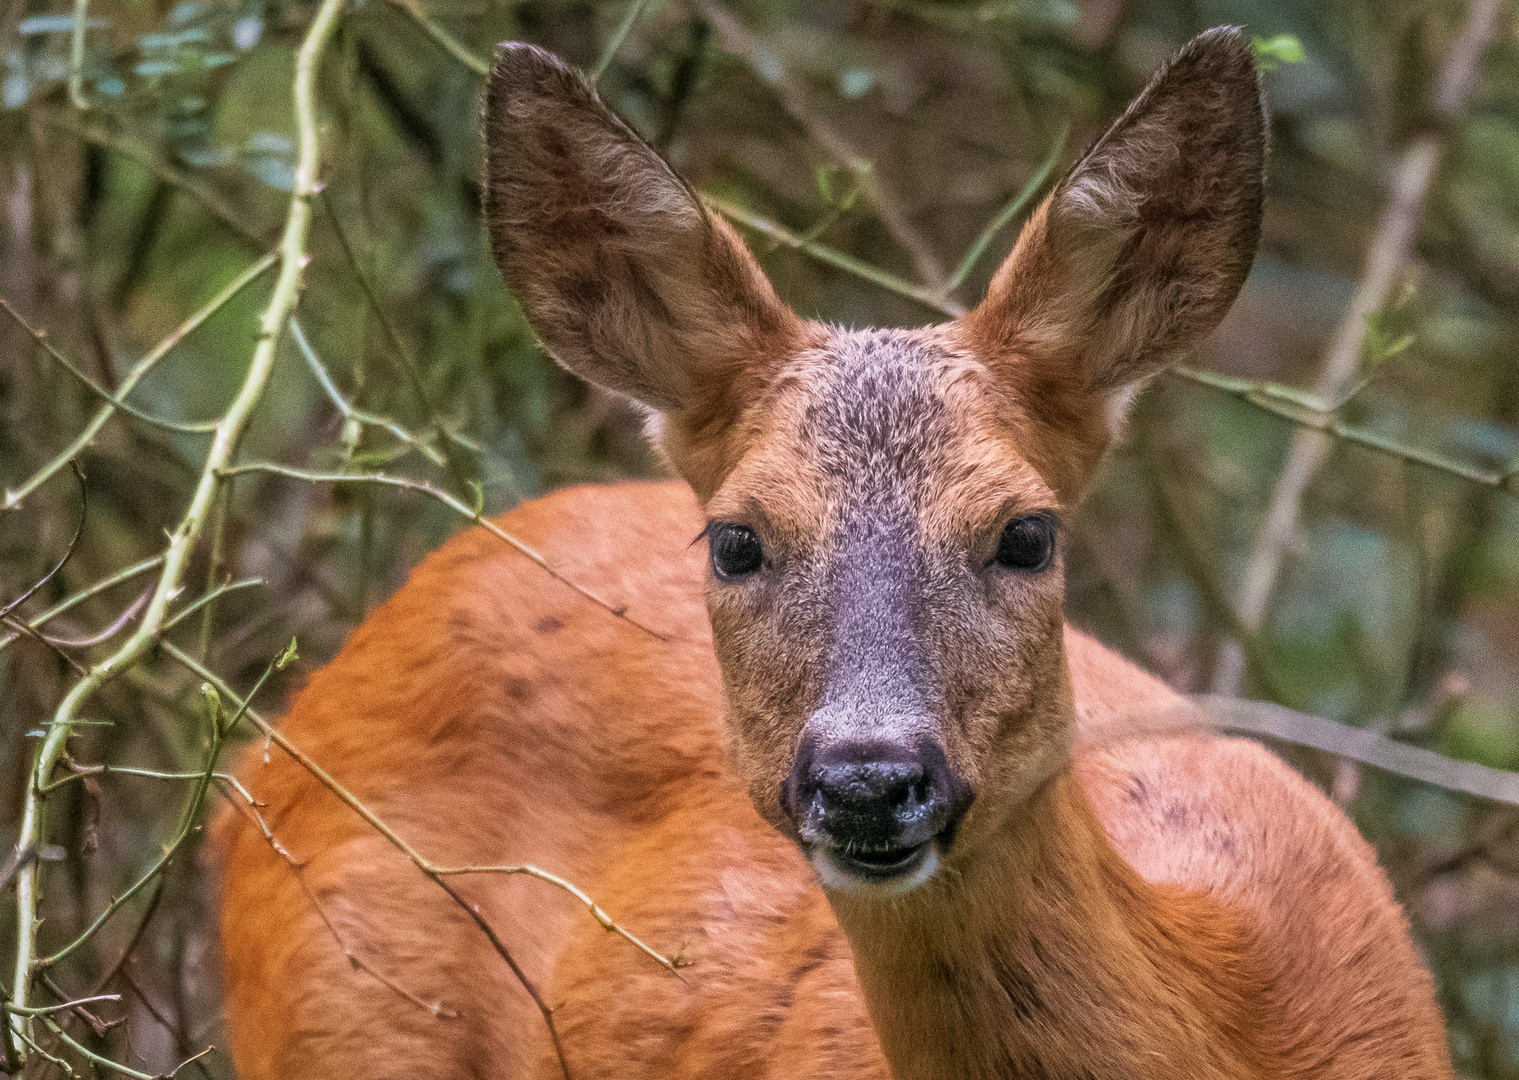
[(479, 738), (897, 818)]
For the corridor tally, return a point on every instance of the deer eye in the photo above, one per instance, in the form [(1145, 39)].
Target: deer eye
[(736, 551), (1027, 543)]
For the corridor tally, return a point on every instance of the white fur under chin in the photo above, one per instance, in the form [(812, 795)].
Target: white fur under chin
[(835, 877)]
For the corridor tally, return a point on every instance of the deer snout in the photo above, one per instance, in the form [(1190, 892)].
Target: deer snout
[(874, 812)]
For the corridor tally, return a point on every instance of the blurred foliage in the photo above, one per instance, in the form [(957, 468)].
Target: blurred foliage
[(891, 130)]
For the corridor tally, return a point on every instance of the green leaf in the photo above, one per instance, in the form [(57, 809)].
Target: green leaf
[(287, 657), (1270, 53)]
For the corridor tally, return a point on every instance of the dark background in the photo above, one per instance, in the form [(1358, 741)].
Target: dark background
[(890, 130)]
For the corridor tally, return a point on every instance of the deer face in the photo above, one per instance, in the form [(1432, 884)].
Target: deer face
[(886, 596), (885, 507)]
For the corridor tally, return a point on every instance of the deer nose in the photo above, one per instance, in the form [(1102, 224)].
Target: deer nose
[(875, 806)]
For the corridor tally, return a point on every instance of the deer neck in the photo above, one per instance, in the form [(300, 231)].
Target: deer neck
[(1046, 955)]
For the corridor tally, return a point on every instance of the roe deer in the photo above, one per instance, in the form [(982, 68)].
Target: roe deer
[(862, 793)]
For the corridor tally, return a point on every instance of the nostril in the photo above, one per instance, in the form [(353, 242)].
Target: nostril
[(860, 785)]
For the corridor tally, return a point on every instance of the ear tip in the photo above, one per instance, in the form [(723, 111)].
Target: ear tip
[(520, 67), (1222, 55)]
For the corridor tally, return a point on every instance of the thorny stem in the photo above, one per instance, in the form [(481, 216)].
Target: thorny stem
[(228, 432)]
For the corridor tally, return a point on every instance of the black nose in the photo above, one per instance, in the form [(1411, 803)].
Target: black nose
[(867, 797)]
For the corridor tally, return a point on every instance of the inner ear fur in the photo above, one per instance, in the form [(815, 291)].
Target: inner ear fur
[(623, 275), (1141, 248)]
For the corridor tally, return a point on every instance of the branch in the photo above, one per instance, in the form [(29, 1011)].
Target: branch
[(931, 298), (1283, 402), (84, 506), (1368, 747), (115, 400), (1032, 187), (163, 170), (346, 408), (404, 359), (187, 822), (635, 9), (1390, 249), (228, 432)]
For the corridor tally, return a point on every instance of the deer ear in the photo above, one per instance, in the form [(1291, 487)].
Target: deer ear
[(1143, 246), (620, 270)]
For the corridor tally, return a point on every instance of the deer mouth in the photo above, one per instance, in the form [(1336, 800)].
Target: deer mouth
[(892, 869)]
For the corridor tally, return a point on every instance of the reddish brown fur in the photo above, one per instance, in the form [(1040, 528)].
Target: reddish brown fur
[(1126, 896), (479, 736)]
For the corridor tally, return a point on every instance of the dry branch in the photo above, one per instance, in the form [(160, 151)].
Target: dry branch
[(1390, 249)]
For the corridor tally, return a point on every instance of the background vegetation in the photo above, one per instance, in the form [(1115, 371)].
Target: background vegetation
[(149, 162)]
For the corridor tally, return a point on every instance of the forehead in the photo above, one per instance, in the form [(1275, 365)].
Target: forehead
[(884, 419)]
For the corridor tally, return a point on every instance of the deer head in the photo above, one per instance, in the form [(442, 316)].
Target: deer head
[(885, 506)]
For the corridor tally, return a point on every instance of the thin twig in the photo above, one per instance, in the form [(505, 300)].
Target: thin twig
[(44, 1010), (201, 427), (407, 363), (624, 27), (1276, 399), (931, 298), (100, 637), (346, 409), (26, 631), (105, 584), (445, 40), (999, 221), (84, 506), (432, 871), (163, 170), (744, 43), (188, 818), (472, 513), (248, 807)]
